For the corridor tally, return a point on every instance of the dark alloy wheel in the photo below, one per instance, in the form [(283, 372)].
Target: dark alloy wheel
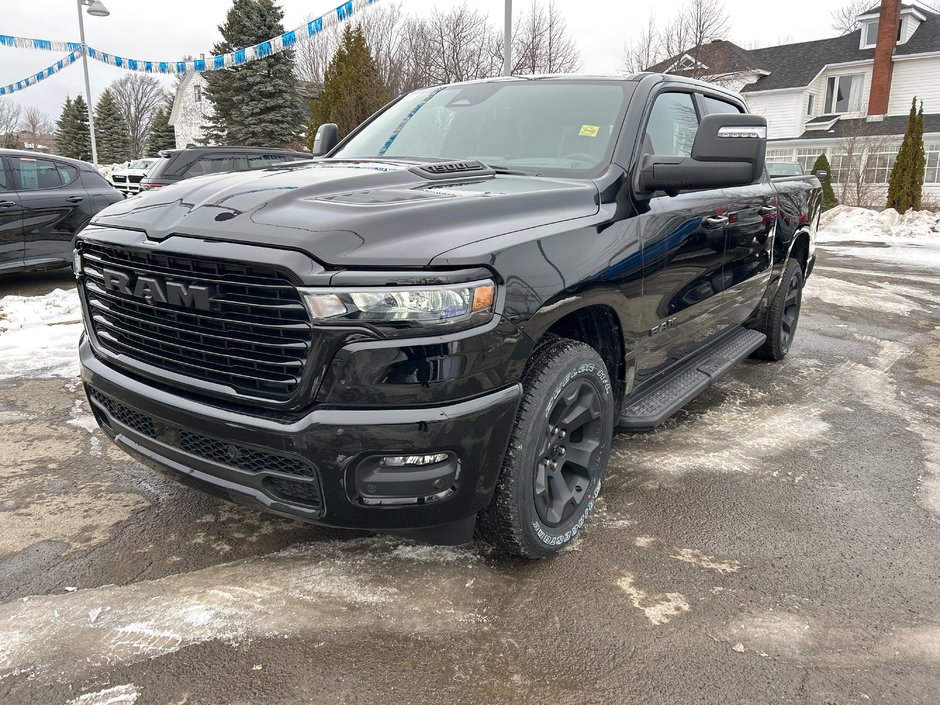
[(791, 310), (783, 314), (558, 451), (571, 441)]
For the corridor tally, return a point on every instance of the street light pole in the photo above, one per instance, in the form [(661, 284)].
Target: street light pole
[(96, 8), (507, 40)]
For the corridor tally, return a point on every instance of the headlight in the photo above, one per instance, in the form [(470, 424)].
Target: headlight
[(450, 305)]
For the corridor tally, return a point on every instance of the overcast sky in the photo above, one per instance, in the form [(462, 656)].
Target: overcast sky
[(170, 29)]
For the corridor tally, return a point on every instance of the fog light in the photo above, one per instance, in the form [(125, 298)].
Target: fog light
[(400, 461)]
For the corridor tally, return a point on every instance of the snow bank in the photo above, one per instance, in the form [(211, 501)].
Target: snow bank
[(847, 222), (39, 335), (106, 169)]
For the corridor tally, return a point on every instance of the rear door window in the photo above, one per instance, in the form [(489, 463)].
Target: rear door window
[(210, 164), (260, 161), (4, 186), (67, 173), (31, 174)]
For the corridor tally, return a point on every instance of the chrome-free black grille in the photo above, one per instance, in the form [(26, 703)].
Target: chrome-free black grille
[(135, 420), (134, 179), (254, 340), (304, 490), (241, 457)]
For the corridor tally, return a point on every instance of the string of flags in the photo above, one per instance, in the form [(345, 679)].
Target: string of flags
[(262, 50)]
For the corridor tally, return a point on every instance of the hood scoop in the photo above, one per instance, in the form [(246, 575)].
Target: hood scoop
[(448, 170)]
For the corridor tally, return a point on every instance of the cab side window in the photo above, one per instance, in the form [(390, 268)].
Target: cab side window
[(714, 105), (4, 186), (672, 125)]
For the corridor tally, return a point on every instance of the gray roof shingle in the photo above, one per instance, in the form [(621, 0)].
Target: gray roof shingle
[(892, 125), (795, 65)]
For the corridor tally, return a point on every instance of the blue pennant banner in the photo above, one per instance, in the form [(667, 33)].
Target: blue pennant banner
[(275, 45), (45, 73)]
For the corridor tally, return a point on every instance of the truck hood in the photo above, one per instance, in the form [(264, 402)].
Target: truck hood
[(352, 213)]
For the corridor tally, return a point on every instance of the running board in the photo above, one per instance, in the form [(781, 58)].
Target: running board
[(655, 405)]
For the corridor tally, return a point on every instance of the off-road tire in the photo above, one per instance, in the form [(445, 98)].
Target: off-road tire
[(780, 321), (564, 379)]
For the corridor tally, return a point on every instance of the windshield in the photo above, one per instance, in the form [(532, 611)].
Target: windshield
[(141, 163), (784, 169), (541, 126)]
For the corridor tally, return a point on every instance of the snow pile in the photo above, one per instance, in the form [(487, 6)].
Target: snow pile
[(847, 222), (39, 335), (106, 169)]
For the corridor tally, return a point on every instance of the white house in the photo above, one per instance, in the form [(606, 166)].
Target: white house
[(848, 96), (191, 110)]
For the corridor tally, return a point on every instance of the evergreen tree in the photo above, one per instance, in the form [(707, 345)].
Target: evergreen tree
[(352, 86), (257, 104), (162, 135), (72, 137), (905, 188), (111, 133), (829, 196)]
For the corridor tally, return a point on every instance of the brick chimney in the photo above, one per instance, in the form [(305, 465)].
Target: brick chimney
[(888, 23)]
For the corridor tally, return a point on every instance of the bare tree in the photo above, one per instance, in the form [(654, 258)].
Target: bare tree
[(9, 122), (383, 27), (855, 164), (138, 97), (705, 20), (35, 124), (643, 52), (312, 55), (541, 43), (697, 23), (844, 17), (461, 45)]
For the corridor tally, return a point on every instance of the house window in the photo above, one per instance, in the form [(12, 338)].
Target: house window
[(870, 34), (808, 157), (932, 172), (779, 155), (879, 163), (810, 104), (197, 93), (844, 93)]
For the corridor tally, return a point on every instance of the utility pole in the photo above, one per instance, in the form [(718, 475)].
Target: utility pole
[(96, 9), (507, 41)]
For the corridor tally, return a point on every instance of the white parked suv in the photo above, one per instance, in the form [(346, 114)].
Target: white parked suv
[(127, 180)]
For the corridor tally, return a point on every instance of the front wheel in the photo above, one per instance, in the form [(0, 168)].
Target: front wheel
[(783, 315), (558, 452)]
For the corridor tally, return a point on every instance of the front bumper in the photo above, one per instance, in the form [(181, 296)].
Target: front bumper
[(251, 459)]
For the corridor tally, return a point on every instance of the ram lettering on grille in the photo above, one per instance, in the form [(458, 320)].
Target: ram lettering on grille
[(154, 290)]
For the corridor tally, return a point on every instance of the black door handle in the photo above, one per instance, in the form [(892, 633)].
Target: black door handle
[(7, 204), (74, 199)]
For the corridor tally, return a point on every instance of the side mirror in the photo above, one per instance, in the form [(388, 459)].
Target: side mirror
[(327, 138), (823, 176), (728, 150)]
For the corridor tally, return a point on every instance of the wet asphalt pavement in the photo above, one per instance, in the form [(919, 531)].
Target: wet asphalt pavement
[(776, 542)]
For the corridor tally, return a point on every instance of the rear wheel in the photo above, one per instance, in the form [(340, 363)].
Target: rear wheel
[(783, 315), (558, 452)]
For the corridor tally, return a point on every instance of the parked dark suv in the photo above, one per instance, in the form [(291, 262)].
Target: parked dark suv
[(178, 164), (44, 202)]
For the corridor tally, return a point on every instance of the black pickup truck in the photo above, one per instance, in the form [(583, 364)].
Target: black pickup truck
[(439, 325)]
